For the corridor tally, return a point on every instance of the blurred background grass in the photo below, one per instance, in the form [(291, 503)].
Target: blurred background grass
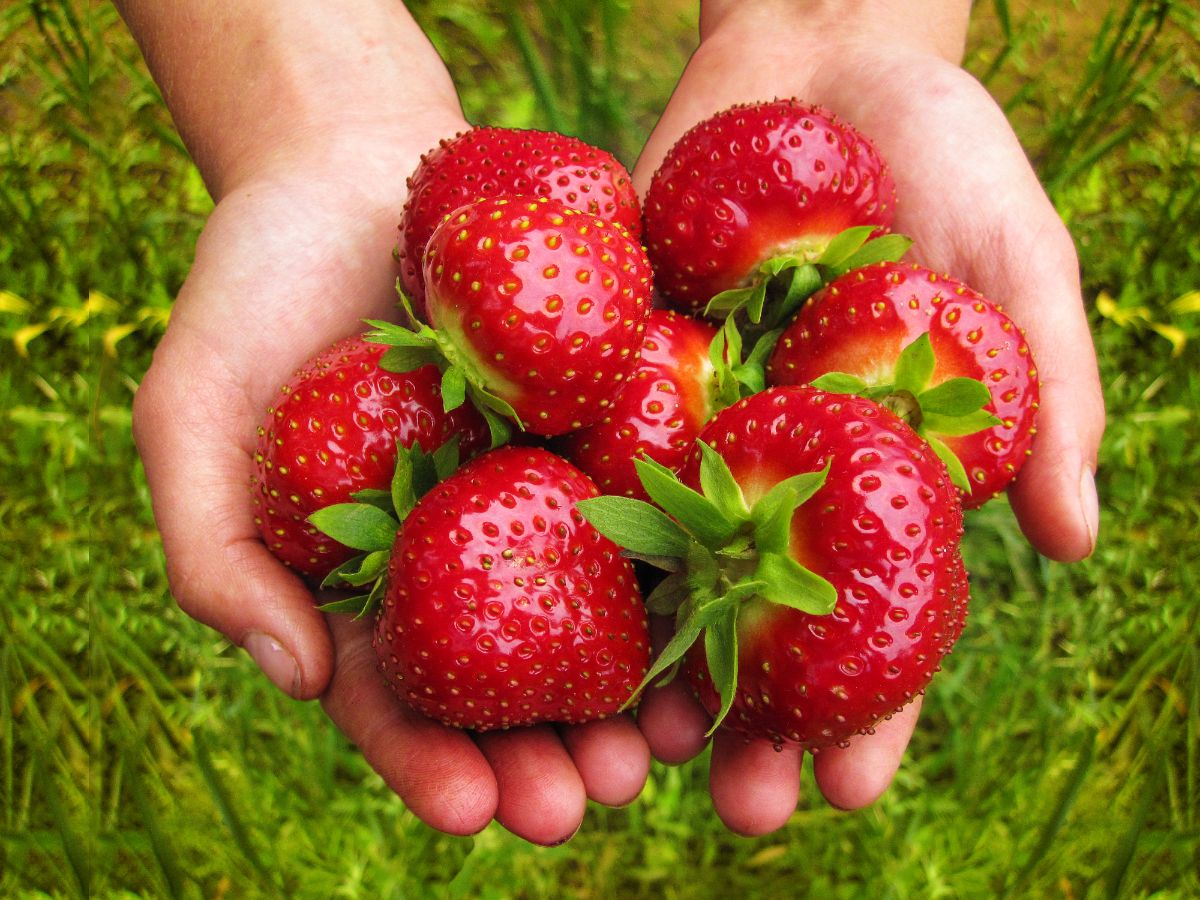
[(1058, 755)]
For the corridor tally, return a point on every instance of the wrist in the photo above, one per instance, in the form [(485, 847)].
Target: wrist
[(254, 86), (816, 30)]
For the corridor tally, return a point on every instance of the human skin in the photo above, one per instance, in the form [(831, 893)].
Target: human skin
[(304, 122), (971, 201)]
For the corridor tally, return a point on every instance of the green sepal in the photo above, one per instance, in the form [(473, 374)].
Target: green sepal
[(695, 512), (687, 629), (915, 365), (958, 474), (499, 431), (955, 397), (728, 302), (772, 514), (357, 525), (719, 485), (751, 374), (805, 281), (957, 426), (841, 383), (721, 655), (668, 595), (635, 525), (407, 359), (403, 491), (375, 497), (844, 245), (445, 460), (361, 605), (788, 583), (889, 248), (454, 388), (359, 570)]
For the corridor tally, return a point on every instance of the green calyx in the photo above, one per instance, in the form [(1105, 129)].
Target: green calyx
[(737, 377), (415, 345), (370, 523), (784, 282), (720, 553), (952, 408)]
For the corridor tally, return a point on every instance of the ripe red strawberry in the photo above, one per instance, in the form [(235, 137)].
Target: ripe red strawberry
[(504, 606), (662, 407), (490, 162), (334, 432), (820, 560), (538, 312), (756, 189), (859, 325)]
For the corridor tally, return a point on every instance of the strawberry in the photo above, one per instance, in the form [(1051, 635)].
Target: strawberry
[(966, 381), (815, 540), (757, 190), (688, 370), (490, 162), (504, 607), (334, 432), (538, 312), (660, 410)]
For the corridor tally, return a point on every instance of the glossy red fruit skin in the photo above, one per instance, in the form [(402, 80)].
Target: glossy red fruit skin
[(490, 162), (658, 413), (547, 303), (884, 530), (333, 431), (861, 322), (752, 182), (504, 606)]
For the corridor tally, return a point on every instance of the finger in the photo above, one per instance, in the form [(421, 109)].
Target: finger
[(754, 787), (437, 771), (670, 717), (1037, 282), (856, 776), (541, 795), (611, 756), (219, 570)]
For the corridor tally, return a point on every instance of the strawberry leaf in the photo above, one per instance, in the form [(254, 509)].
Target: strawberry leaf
[(357, 525), (721, 654), (786, 582), (844, 245), (403, 493), (958, 474), (686, 632), (956, 426), (375, 497), (772, 514), (955, 397), (806, 280), (915, 365), (889, 248), (840, 383), (695, 512), (356, 605), (635, 525), (358, 571), (446, 459), (668, 595), (719, 485), (454, 388), (406, 359), (727, 302)]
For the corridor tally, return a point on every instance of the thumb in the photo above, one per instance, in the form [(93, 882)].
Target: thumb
[(219, 570)]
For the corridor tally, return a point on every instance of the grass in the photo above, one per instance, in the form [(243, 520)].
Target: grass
[(1059, 753)]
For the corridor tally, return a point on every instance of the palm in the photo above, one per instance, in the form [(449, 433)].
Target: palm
[(284, 269), (969, 198)]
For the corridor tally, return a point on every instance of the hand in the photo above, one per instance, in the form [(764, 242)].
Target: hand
[(973, 204)]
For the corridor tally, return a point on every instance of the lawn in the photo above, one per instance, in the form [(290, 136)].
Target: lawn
[(140, 754)]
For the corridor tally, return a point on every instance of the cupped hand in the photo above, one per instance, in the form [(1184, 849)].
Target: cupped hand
[(971, 201), (292, 258)]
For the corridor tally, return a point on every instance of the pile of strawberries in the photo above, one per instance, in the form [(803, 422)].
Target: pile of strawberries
[(785, 454)]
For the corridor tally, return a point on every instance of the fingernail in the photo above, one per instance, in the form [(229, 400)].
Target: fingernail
[(1089, 504), (275, 661)]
